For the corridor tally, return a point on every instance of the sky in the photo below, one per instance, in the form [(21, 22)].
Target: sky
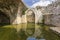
[(30, 2), (33, 3)]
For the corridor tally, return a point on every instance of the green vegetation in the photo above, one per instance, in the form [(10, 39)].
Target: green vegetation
[(23, 11)]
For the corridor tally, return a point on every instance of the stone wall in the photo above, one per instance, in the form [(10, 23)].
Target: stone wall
[(30, 16), (12, 8), (24, 19), (55, 20), (4, 19), (54, 14), (47, 19), (52, 20)]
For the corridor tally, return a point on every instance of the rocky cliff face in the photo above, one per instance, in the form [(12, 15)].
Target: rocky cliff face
[(11, 8), (50, 14), (54, 18)]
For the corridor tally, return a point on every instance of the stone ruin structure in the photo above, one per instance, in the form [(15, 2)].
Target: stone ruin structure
[(53, 18), (34, 15), (50, 14), (11, 13), (10, 10), (30, 16)]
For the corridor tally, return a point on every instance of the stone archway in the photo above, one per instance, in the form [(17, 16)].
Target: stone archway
[(4, 19), (30, 16), (30, 28)]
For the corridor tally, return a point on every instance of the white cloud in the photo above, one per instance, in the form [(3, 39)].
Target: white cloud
[(54, 0), (42, 3), (33, 1)]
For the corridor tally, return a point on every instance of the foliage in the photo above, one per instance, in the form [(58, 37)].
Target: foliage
[(23, 11)]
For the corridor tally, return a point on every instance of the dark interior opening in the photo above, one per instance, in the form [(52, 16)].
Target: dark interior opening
[(4, 19)]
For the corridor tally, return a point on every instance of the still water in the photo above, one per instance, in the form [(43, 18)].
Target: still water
[(28, 31)]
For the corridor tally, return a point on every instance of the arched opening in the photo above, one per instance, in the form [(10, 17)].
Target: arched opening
[(30, 16), (30, 29), (4, 19)]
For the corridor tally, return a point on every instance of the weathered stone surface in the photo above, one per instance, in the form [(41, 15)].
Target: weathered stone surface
[(54, 17), (37, 12), (52, 20), (30, 16), (24, 19), (56, 30), (47, 19), (55, 20), (4, 19), (12, 8)]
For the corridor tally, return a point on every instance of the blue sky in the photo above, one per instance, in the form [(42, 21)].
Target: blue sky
[(29, 3)]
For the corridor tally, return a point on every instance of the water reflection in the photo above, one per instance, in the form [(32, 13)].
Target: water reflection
[(28, 31), (31, 30), (36, 31), (31, 38)]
